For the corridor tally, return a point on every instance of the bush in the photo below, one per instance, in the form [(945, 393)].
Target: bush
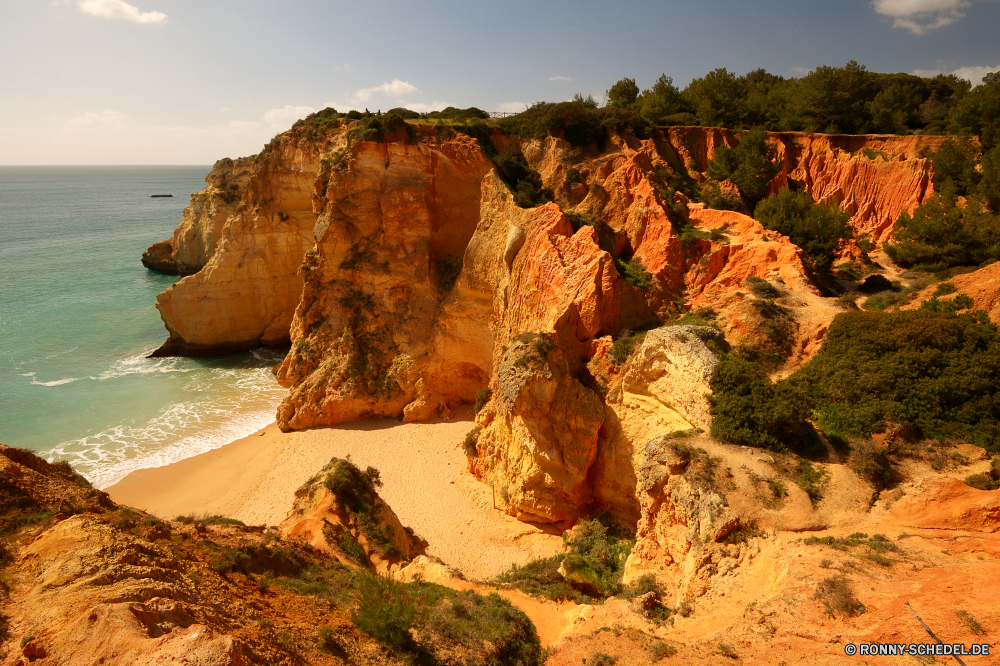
[(594, 562), (943, 232), (818, 229), (871, 461), (981, 482), (935, 371), (810, 480), (874, 284), (470, 442), (524, 182), (385, 611), (623, 347), (483, 396), (633, 272), (576, 121), (747, 409), (760, 287), (838, 597), (751, 165)]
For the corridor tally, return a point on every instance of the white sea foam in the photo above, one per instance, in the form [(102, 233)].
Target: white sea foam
[(57, 382), (226, 404), (141, 364)]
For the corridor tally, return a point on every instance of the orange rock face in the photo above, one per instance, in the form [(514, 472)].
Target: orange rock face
[(982, 286), (319, 519), (195, 239), (394, 224), (246, 294), (873, 177)]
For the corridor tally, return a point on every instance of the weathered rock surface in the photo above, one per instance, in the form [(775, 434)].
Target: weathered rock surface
[(320, 519), (394, 223), (873, 177), (245, 295), (196, 237)]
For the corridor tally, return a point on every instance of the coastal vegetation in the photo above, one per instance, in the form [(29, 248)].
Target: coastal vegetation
[(933, 371)]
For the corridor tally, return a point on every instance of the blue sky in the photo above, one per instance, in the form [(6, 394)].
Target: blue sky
[(191, 81)]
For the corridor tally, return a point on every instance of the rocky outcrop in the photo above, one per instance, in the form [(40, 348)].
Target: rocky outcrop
[(367, 534), (195, 239), (381, 328), (246, 294), (873, 177), (678, 518)]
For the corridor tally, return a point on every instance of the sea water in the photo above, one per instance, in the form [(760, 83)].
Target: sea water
[(77, 321)]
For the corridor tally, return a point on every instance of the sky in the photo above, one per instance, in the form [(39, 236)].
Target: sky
[(192, 81)]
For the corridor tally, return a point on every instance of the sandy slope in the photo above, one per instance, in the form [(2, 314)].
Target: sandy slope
[(422, 468)]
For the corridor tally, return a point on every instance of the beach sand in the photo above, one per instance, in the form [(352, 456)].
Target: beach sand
[(423, 471)]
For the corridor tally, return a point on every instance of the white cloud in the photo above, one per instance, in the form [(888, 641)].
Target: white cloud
[(106, 118), (394, 89), (921, 16), (223, 109), (240, 125), (420, 107), (346, 67), (973, 74), (287, 115), (118, 9), (512, 107), (560, 78)]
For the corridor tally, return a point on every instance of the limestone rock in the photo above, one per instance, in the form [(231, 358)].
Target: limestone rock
[(195, 239), (542, 439), (391, 239), (245, 295), (368, 535)]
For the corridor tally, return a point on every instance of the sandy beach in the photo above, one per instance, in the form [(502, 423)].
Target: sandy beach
[(424, 480)]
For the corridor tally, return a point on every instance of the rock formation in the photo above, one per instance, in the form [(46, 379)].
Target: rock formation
[(368, 534), (423, 282), (246, 294), (203, 222), (394, 222), (873, 177)]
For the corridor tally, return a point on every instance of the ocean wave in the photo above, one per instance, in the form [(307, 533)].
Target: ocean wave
[(181, 431), (57, 382), (141, 364)]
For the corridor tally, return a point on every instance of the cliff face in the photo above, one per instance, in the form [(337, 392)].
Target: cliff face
[(873, 177), (381, 328), (196, 237), (423, 283), (245, 295)]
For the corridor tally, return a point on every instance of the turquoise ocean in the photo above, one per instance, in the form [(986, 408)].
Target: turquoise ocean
[(77, 320)]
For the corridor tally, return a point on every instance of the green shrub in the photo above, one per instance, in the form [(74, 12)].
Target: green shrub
[(623, 347), (751, 165), (713, 197), (576, 121), (661, 650), (874, 284), (838, 597), (818, 229), (385, 611), (483, 396), (871, 461), (749, 410), (470, 442), (810, 480), (524, 182), (602, 659), (595, 562), (943, 232), (633, 272), (207, 520), (937, 372), (981, 482), (761, 288)]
